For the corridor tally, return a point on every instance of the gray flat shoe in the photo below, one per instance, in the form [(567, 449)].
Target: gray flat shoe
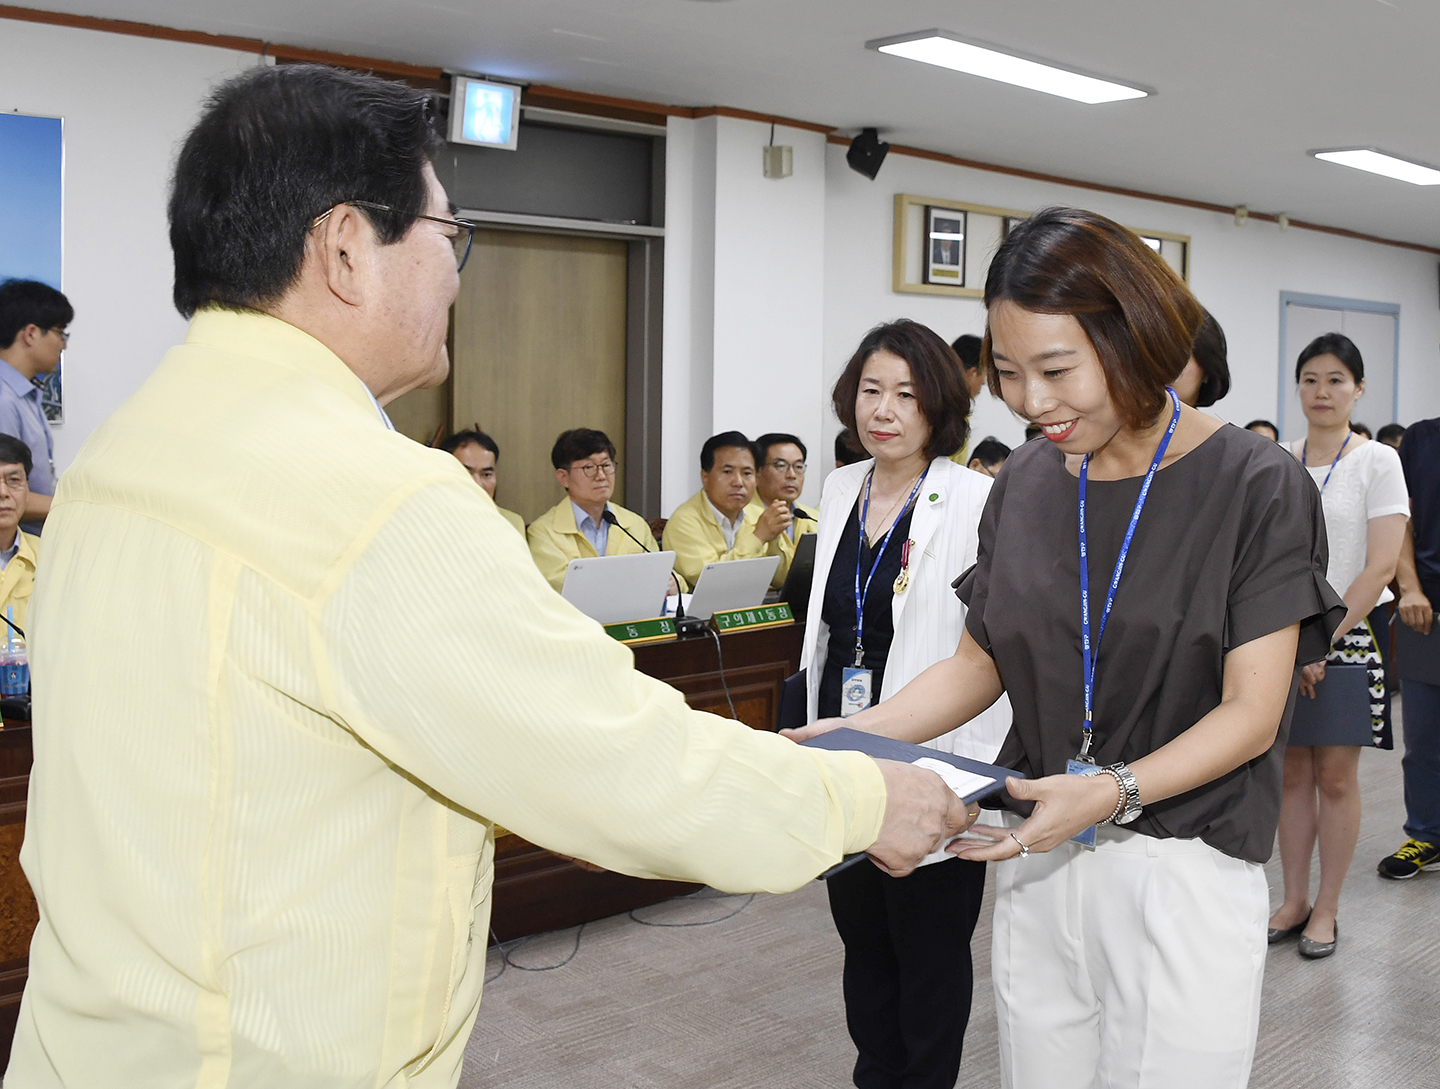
[(1313, 950), (1278, 934)]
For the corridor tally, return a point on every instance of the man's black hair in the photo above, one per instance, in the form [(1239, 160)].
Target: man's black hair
[(469, 435), (15, 452), (580, 443), (967, 347), (277, 147), (991, 452), (720, 442), (761, 446), (847, 450), (29, 302), (1390, 431)]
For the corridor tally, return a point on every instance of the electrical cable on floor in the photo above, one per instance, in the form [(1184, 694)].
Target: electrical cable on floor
[(720, 661), (507, 962), (694, 896)]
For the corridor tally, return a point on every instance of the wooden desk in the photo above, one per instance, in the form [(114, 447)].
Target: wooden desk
[(536, 890)]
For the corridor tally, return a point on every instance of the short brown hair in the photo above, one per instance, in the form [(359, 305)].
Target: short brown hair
[(1140, 318), (935, 371)]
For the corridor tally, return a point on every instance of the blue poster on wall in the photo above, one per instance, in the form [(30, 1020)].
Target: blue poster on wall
[(32, 154)]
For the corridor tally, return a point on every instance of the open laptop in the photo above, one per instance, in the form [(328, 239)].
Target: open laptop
[(614, 589), (731, 584)]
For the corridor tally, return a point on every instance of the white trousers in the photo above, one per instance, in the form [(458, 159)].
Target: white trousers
[(1134, 966)]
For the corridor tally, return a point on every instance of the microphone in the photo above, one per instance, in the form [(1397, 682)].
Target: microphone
[(610, 520), (796, 514)]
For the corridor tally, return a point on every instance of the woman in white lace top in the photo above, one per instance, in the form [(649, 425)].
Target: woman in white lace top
[(1362, 492)]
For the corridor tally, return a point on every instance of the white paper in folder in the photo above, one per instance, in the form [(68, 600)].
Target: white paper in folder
[(962, 782)]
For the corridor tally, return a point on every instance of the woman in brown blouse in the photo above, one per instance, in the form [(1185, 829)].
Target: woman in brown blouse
[(1136, 962)]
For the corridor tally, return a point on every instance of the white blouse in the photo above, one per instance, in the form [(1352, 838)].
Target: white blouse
[(1368, 482)]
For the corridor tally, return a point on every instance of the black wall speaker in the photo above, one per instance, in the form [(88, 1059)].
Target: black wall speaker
[(867, 152)]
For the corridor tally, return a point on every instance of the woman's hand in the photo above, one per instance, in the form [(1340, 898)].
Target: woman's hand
[(815, 729), (1310, 676), (1064, 805)]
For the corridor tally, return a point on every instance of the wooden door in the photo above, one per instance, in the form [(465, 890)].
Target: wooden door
[(539, 348)]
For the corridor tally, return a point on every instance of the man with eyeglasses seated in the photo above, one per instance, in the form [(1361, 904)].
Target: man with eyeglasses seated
[(779, 480), (480, 454), (713, 524), (576, 527), (33, 317), (17, 548)]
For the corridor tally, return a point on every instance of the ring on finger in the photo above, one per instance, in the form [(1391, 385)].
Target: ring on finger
[(1024, 851)]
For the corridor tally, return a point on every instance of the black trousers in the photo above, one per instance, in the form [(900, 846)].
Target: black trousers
[(908, 976)]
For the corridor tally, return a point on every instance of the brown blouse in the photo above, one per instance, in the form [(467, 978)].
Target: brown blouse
[(1230, 547)]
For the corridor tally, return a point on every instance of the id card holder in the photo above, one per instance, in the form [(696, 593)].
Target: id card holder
[(1086, 837), (854, 691)]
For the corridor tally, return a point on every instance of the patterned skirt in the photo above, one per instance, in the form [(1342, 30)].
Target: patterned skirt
[(1358, 646)]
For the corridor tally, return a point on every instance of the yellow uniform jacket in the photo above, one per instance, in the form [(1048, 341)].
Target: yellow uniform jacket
[(694, 536), (805, 521), (555, 539)]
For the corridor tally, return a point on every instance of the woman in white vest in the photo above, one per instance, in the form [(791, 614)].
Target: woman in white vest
[(895, 532)]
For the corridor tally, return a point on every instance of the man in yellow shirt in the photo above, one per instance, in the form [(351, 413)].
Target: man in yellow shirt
[(780, 478), (577, 526), (713, 524), (480, 454), (17, 548), (261, 810)]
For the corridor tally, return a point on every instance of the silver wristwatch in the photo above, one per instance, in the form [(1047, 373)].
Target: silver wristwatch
[(1129, 807)]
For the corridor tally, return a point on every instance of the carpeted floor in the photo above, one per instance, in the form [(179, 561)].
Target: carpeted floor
[(754, 1000)]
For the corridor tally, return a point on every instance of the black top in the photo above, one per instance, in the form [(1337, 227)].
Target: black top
[(1420, 457), (1230, 547), (838, 609)]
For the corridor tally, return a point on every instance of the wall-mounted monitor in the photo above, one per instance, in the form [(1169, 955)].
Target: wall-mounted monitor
[(483, 113)]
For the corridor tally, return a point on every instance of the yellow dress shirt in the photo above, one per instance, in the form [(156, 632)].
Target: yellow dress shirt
[(290, 667), (555, 539), (783, 545), (516, 522), (17, 580), (694, 536)]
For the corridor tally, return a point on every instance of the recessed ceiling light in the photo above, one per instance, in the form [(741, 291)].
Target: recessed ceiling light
[(942, 48), (1380, 162)]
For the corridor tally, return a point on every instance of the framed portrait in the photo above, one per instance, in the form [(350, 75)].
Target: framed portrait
[(945, 246)]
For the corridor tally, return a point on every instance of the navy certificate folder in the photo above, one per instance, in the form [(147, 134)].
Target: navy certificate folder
[(887, 748), (1417, 657)]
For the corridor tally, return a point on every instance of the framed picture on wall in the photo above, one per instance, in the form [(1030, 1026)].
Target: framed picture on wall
[(945, 246)]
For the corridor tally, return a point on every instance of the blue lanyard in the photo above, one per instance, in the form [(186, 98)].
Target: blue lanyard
[(861, 595), (1305, 449), (1091, 654)]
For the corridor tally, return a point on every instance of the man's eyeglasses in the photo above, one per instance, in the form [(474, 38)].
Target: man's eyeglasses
[(594, 472), (783, 467), (462, 239), (63, 335)]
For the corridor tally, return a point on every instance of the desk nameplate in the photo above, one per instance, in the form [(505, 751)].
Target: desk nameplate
[(636, 633), (760, 616)]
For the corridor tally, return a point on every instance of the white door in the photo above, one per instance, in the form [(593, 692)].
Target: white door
[(1373, 333)]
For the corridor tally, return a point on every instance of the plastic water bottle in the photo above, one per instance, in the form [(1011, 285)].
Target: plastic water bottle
[(14, 668)]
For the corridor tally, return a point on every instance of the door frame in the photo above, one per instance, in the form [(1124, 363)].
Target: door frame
[(1332, 302), (644, 305)]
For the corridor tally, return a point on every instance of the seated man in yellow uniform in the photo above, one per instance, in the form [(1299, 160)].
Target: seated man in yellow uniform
[(17, 548), (577, 526), (713, 524), (780, 478), (480, 454)]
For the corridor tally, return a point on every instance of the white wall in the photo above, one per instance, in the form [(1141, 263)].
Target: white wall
[(1237, 272), (126, 102), (744, 292)]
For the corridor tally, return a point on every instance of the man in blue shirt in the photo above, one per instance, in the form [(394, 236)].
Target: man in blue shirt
[(1418, 573), (33, 317)]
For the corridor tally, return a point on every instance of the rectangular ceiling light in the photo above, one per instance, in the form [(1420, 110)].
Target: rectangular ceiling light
[(1378, 162), (942, 48)]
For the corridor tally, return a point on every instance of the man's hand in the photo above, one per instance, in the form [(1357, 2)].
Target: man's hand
[(1416, 611), (775, 521), (921, 813), (1310, 676)]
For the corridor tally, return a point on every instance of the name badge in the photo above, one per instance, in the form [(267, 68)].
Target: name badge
[(1086, 837), (854, 691)]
